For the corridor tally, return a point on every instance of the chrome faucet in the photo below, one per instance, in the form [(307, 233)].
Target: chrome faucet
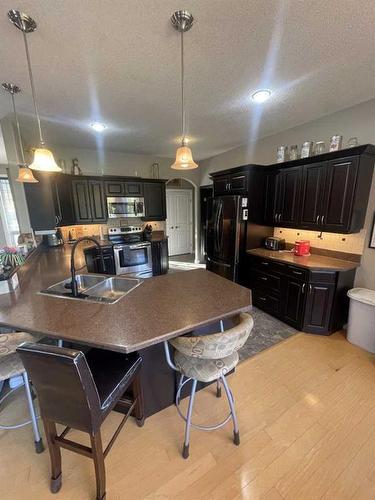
[(72, 265)]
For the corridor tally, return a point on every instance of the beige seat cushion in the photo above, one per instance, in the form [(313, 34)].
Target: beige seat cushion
[(10, 366), (204, 370), (10, 341)]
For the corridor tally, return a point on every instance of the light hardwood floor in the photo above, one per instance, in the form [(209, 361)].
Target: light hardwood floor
[(307, 413)]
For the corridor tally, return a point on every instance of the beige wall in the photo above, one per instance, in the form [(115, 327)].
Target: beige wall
[(358, 121)]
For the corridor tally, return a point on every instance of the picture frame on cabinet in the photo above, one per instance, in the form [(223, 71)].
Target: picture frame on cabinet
[(372, 237)]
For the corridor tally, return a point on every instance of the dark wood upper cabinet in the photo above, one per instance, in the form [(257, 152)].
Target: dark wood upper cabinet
[(312, 195), (133, 188), (339, 195), (287, 196), (114, 188), (63, 199), (97, 201), (155, 201), (40, 203), (81, 199), (221, 184)]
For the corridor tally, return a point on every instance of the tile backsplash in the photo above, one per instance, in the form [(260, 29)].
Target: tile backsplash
[(78, 231), (349, 243)]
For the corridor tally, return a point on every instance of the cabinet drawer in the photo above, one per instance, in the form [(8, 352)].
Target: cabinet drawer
[(266, 265), (323, 277), (266, 281), (266, 301), (298, 272)]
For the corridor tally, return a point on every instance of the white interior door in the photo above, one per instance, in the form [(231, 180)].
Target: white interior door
[(180, 221)]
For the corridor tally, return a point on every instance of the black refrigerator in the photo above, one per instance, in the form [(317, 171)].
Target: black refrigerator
[(224, 235)]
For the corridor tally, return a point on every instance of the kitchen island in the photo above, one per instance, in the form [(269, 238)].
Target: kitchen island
[(159, 309)]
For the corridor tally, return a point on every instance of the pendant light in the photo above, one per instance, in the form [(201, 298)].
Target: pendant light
[(24, 173), (182, 20), (43, 157)]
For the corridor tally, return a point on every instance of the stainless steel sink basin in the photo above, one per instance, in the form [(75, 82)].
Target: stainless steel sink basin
[(94, 288)]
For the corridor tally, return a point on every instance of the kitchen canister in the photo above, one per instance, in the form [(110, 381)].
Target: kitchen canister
[(320, 147), (335, 143), (306, 150), (282, 154), (293, 153)]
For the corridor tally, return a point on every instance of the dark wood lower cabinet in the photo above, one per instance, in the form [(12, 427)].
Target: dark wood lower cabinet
[(313, 301)]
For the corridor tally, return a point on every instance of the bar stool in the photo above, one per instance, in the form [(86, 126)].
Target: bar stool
[(205, 359), (11, 366), (79, 391)]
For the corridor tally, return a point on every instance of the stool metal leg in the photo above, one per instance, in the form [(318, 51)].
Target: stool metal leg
[(185, 451), (218, 388), (59, 343), (39, 447), (236, 432)]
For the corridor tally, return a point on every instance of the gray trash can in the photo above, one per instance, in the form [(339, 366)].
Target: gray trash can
[(361, 324)]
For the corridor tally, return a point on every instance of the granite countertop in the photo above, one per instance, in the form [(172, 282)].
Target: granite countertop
[(312, 261), (160, 308)]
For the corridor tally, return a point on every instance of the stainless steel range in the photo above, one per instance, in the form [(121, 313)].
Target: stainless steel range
[(132, 255)]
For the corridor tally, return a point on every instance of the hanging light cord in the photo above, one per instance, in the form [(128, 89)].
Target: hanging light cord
[(182, 90), (33, 88), (18, 132)]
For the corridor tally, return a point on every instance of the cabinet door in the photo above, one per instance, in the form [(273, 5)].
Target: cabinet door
[(238, 183), (287, 196), (293, 301), (133, 188), (318, 308), (221, 184), (155, 200), (339, 194), (312, 189), (40, 203), (114, 188), (63, 200), (97, 201), (269, 203), (81, 200)]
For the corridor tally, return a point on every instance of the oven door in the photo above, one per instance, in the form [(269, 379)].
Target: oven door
[(125, 207), (133, 258)]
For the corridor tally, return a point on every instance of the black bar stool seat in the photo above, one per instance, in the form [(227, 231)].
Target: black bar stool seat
[(112, 373)]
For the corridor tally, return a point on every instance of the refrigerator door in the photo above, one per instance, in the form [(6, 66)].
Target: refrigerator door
[(223, 235)]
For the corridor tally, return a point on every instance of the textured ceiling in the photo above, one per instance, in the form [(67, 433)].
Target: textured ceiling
[(117, 61)]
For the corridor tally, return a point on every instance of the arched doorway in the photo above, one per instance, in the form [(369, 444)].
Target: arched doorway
[(182, 217)]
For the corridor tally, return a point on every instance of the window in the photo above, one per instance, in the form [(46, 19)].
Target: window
[(8, 216)]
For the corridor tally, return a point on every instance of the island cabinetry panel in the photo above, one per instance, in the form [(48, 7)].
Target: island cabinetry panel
[(313, 301), (155, 201)]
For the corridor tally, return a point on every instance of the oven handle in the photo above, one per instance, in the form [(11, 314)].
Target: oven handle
[(145, 245)]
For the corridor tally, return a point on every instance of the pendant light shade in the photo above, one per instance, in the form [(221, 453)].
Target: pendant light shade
[(182, 20), (25, 175), (44, 161), (43, 158), (184, 159)]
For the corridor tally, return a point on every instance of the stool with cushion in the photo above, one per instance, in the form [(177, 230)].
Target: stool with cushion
[(11, 366), (79, 391), (206, 358)]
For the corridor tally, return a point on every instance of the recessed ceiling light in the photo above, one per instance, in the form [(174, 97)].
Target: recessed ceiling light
[(98, 127), (261, 95)]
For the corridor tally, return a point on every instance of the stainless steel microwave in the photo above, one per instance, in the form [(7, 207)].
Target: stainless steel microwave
[(125, 207)]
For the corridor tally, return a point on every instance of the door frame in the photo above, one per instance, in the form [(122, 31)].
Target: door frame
[(196, 215), (189, 192)]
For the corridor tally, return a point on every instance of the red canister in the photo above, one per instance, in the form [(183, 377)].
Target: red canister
[(302, 247)]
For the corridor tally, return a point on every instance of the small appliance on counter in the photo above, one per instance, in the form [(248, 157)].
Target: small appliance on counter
[(55, 239), (274, 243), (302, 248)]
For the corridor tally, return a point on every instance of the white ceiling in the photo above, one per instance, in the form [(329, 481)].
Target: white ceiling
[(117, 61)]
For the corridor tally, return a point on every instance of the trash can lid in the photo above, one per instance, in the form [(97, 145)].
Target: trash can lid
[(363, 295)]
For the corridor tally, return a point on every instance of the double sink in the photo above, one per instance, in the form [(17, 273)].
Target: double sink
[(94, 288)]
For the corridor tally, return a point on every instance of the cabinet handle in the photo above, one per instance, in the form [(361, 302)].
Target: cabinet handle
[(275, 217), (265, 263), (303, 287), (279, 217), (263, 278), (263, 298), (297, 272), (323, 219), (310, 288), (317, 219)]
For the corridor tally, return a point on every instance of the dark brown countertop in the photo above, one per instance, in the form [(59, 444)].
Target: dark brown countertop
[(310, 262), (160, 308)]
